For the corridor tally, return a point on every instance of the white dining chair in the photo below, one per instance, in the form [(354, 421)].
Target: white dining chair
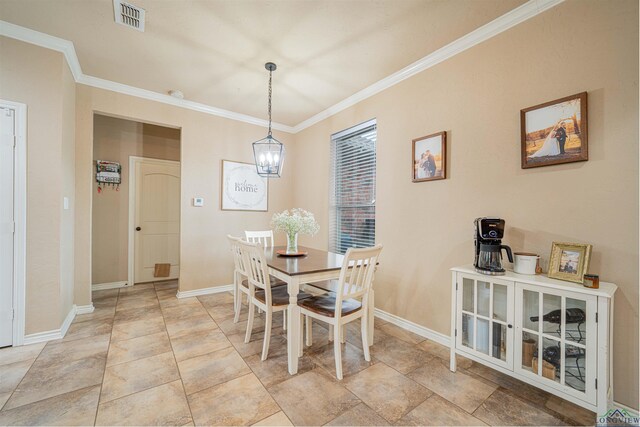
[(261, 292), (265, 238), (240, 279), (349, 301)]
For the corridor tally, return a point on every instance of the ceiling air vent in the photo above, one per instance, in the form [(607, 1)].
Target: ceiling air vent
[(129, 15)]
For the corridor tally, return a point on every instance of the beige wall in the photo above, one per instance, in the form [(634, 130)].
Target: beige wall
[(116, 140), (205, 141), (40, 79), (476, 97)]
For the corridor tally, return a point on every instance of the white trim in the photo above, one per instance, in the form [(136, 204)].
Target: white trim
[(44, 40), (634, 412), (355, 129), (42, 337), (133, 160), (205, 291), (182, 103), (85, 309), (67, 320), (20, 219), (66, 47), (54, 334), (510, 19), (110, 285), (413, 327)]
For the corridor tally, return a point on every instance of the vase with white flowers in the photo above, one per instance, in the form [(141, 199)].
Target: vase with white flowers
[(298, 221)]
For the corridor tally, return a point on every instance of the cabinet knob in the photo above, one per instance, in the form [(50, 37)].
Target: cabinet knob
[(138, 228), (509, 326)]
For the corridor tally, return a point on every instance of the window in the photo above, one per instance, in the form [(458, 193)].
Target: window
[(352, 203)]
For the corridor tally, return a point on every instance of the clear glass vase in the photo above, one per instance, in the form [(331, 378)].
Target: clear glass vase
[(292, 243)]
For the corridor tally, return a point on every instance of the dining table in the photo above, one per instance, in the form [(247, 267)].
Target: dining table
[(313, 267)]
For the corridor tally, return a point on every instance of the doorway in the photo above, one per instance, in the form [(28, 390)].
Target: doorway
[(144, 161), (13, 119)]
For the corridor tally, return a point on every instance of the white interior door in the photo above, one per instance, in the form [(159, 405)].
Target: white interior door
[(157, 218), (7, 156)]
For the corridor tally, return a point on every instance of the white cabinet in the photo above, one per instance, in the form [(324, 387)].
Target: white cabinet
[(484, 316), (552, 334)]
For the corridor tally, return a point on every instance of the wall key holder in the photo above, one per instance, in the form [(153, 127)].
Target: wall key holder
[(108, 173)]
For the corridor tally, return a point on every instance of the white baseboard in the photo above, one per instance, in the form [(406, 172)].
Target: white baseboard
[(54, 334), (413, 327), (110, 285), (85, 309), (205, 291), (446, 341), (67, 320)]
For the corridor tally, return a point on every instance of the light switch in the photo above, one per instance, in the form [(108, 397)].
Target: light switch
[(198, 202), (65, 203)]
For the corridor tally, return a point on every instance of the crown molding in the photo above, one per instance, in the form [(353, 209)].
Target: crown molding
[(183, 103), (510, 19), (68, 50), (44, 40)]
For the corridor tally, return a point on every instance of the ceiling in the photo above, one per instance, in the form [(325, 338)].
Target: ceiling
[(214, 50)]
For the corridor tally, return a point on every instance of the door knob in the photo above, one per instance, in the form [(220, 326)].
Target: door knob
[(138, 228)]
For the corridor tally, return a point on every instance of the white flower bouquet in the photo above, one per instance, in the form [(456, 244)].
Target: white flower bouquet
[(295, 222)]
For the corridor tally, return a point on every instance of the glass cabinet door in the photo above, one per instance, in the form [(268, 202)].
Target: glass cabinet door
[(556, 339), (484, 318)]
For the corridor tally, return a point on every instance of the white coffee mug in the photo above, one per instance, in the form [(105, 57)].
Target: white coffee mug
[(525, 263)]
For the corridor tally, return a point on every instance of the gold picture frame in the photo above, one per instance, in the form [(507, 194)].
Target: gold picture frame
[(569, 261)]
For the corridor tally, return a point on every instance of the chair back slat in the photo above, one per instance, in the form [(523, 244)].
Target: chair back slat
[(256, 266), (236, 251), (356, 275), (265, 238)]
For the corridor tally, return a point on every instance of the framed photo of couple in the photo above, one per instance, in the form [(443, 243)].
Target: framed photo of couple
[(569, 261), (555, 132), (429, 158)]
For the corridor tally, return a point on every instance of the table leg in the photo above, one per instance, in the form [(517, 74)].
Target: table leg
[(293, 325), (372, 306)]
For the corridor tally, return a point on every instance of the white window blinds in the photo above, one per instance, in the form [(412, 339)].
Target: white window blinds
[(352, 216)]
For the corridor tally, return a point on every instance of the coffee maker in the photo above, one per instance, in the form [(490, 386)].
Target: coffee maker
[(488, 242)]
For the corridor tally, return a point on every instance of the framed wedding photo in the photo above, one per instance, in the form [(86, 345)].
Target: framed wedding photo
[(555, 132), (569, 261), (429, 158), (242, 188)]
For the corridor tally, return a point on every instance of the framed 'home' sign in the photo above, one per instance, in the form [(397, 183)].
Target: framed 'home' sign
[(242, 188)]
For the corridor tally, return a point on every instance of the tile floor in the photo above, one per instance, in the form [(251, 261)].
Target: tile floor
[(143, 357)]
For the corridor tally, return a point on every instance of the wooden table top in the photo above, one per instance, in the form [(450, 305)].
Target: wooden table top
[(315, 261)]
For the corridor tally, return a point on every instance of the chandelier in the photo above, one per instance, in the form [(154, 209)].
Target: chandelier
[(269, 152)]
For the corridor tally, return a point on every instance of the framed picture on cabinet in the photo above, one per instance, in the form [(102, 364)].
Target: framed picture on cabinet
[(569, 261), (554, 132), (429, 157), (242, 188)]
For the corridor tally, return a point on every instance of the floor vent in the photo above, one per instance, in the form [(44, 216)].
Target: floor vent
[(128, 15)]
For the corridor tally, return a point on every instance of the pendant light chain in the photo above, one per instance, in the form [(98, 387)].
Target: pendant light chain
[(270, 72)]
